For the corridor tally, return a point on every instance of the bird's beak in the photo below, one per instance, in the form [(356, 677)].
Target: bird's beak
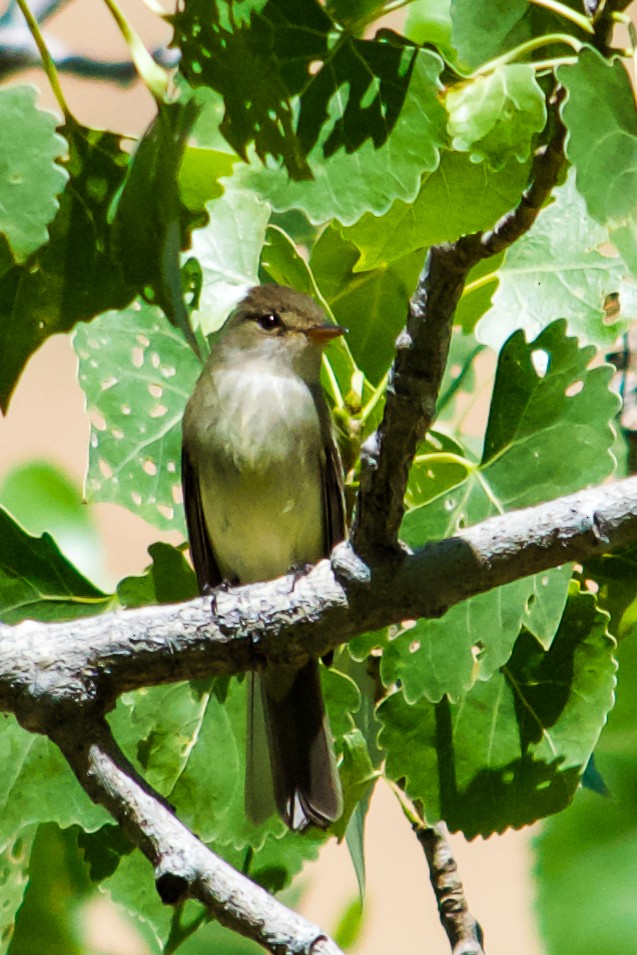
[(322, 334)]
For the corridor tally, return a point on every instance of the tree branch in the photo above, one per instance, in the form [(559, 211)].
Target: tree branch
[(49, 670), (422, 349), (463, 932), (184, 867)]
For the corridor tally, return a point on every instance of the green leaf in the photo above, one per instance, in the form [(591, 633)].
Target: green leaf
[(599, 114), (494, 117), (76, 274), (38, 583), (545, 392), (58, 884), (228, 251), (295, 49), (372, 306), (14, 878), (41, 497), (37, 785), (429, 21), (513, 749), (169, 579), (199, 175), (483, 29), (31, 178), (584, 899), (147, 217), (440, 212), (348, 184), (137, 373), (556, 270)]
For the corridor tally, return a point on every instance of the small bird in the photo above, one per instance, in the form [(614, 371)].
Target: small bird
[(263, 494)]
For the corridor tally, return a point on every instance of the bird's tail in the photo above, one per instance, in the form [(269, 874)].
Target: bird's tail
[(291, 766)]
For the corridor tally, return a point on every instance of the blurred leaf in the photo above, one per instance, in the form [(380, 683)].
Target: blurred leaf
[(58, 884), (556, 270), (494, 117), (346, 185), (41, 497), (147, 215), (199, 175), (584, 897), (429, 21), (14, 878), (76, 274), (169, 579), (38, 583), (31, 179), (281, 42), (228, 250), (137, 373), (350, 925), (440, 212), (513, 749), (599, 114)]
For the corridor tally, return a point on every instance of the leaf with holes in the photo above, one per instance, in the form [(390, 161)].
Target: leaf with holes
[(599, 114), (346, 185), (513, 749), (495, 117), (549, 433), (137, 373), (561, 269)]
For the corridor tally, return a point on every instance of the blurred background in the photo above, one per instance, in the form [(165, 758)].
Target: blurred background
[(43, 449)]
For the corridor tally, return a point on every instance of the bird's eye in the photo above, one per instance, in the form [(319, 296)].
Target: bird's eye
[(269, 321)]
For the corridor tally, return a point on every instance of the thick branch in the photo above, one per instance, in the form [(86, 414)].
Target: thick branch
[(48, 670), (184, 867), (421, 354), (463, 932)]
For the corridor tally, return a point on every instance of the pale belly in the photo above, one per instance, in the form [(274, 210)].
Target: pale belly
[(260, 473)]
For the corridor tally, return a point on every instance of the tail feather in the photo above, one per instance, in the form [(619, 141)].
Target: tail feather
[(304, 777)]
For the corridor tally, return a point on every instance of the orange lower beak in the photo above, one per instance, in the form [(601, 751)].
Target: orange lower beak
[(322, 334)]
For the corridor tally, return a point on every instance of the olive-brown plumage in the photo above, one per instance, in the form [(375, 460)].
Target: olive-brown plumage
[(262, 483)]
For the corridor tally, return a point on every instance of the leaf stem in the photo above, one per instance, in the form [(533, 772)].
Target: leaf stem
[(379, 392), (579, 19), (152, 75), (47, 62), (535, 43), (480, 283)]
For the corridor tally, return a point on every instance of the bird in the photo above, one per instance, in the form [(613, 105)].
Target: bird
[(263, 495)]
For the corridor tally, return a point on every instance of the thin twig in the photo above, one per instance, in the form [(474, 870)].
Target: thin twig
[(463, 932)]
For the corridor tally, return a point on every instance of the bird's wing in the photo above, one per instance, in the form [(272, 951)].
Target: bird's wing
[(203, 558), (333, 493)]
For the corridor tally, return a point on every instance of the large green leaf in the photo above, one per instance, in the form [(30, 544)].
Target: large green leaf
[(545, 394), (137, 373), (495, 117), (37, 582), (30, 179), (599, 114), (346, 185), (294, 49), (580, 911), (228, 250), (457, 198), (514, 748), (76, 274), (560, 269)]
